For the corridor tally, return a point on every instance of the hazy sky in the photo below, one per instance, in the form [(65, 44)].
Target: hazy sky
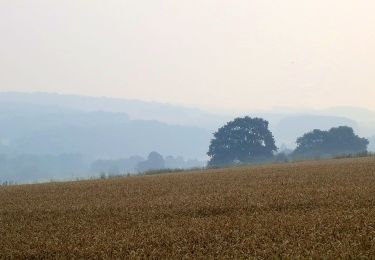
[(243, 54)]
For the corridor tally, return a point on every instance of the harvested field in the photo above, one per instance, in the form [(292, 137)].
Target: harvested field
[(309, 209)]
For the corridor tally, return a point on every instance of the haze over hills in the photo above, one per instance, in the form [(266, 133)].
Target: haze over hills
[(135, 109), (80, 129), (45, 130), (47, 141), (286, 124)]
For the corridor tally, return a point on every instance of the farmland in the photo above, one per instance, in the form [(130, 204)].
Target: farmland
[(307, 209)]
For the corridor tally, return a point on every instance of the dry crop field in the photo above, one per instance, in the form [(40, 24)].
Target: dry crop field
[(309, 209)]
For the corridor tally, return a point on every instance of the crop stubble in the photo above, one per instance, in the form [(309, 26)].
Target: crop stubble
[(309, 209)]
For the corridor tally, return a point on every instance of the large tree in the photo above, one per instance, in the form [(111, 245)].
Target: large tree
[(241, 140), (338, 140)]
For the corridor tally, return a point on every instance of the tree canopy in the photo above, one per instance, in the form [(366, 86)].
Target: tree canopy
[(337, 140), (155, 161), (241, 140)]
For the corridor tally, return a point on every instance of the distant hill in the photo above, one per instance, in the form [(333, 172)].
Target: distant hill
[(45, 136), (356, 113), (29, 118), (291, 127), (135, 109), (116, 139), (364, 118), (45, 129)]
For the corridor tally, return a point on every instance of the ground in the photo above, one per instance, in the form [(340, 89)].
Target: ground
[(307, 209)]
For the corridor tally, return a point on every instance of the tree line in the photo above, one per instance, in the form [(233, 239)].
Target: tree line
[(249, 140)]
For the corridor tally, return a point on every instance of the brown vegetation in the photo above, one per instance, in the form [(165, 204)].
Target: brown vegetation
[(305, 209)]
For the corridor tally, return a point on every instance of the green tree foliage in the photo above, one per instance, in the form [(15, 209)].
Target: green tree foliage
[(241, 140), (338, 140)]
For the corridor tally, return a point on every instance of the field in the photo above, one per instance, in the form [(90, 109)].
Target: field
[(308, 209)]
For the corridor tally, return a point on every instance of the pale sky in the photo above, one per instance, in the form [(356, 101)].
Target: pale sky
[(222, 54)]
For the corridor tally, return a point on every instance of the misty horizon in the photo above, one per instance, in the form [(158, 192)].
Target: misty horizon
[(116, 79), (208, 54), (222, 111)]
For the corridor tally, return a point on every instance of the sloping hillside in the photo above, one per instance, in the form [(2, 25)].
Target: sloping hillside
[(38, 129)]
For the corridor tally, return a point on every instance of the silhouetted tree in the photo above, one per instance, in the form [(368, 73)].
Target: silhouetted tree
[(241, 140), (155, 161), (338, 140)]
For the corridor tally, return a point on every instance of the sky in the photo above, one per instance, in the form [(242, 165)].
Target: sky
[(218, 54)]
